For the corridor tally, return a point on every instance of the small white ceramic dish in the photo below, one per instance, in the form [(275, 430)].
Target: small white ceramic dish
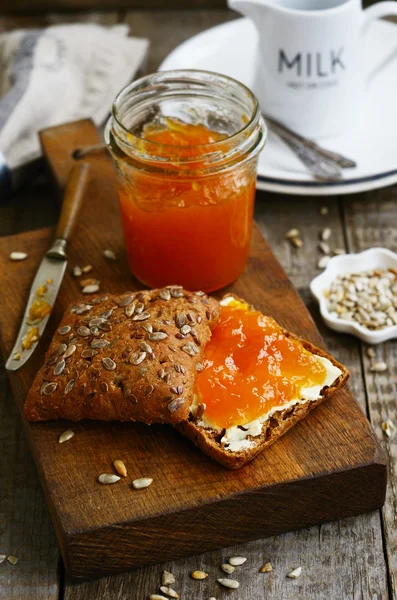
[(375, 258), (230, 49)]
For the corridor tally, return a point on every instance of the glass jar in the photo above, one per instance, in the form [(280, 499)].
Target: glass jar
[(185, 145)]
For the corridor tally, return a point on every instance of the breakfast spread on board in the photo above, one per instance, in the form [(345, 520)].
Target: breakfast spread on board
[(226, 376)]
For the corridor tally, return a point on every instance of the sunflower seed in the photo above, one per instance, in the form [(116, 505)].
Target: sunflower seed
[(102, 343), (165, 295), (106, 478), (18, 255), (157, 336), (109, 364), (157, 597), (129, 310), (109, 254), (176, 404), (69, 351), (83, 331), (2, 558), (125, 301), (90, 281), (378, 367), (137, 358), (141, 316), (267, 567), (120, 468), (295, 573), (169, 591), (82, 308), (65, 436), (167, 578), (297, 242), (199, 575), (371, 353), (176, 293), (185, 329), (324, 210), (324, 247), (12, 559), (47, 388), (388, 427), (64, 330), (77, 272), (105, 326), (325, 234), (180, 320), (142, 482), (59, 367), (323, 262), (87, 268), (147, 327), (229, 583), (190, 349), (228, 568), (88, 353), (338, 251), (236, 561), (90, 289), (69, 386), (144, 346), (139, 308), (292, 233)]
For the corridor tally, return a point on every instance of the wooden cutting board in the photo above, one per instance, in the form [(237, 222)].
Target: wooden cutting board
[(327, 467)]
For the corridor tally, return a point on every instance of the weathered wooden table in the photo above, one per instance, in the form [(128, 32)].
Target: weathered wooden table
[(352, 559)]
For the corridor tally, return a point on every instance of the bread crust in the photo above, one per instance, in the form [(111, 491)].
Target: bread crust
[(121, 381), (208, 440)]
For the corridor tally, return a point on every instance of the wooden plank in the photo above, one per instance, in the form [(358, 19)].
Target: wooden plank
[(26, 530), (168, 28), (330, 475), (370, 221)]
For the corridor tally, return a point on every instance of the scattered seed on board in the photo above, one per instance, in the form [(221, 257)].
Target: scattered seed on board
[(323, 262), (87, 268), (371, 353), (157, 597), (295, 573), (227, 568), (90, 289), (18, 255), (107, 478), (120, 468), (77, 272), (236, 561), (267, 568), (199, 575), (324, 210), (297, 242), (388, 427), (142, 482), (378, 367), (338, 251), (325, 234), (167, 578), (12, 559), (65, 436), (324, 247), (2, 558), (169, 591), (229, 583), (292, 233), (109, 254)]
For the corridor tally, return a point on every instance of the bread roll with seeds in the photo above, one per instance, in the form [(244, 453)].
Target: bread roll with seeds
[(127, 357)]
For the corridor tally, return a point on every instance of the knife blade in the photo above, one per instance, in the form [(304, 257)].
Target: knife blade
[(49, 276)]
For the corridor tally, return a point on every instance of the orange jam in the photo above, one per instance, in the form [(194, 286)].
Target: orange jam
[(38, 310), (251, 367), (30, 338), (181, 226)]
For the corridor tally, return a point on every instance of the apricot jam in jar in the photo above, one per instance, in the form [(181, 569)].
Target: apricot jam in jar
[(185, 146)]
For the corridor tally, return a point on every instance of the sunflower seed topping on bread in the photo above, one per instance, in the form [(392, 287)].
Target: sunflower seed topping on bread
[(125, 358)]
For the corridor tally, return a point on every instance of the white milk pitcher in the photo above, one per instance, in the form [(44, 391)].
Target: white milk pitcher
[(310, 73)]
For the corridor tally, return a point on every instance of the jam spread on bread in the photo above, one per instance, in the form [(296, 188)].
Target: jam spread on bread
[(186, 224), (251, 367)]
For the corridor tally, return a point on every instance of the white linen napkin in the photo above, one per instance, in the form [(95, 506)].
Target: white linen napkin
[(59, 74)]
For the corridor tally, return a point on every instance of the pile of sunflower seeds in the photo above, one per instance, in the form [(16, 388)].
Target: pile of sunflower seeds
[(368, 298)]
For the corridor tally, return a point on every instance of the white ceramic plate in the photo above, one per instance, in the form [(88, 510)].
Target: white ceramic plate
[(230, 49), (375, 258)]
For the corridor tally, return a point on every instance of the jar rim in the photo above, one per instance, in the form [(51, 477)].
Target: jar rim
[(188, 74)]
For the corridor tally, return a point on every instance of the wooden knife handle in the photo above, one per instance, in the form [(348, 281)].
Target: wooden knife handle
[(73, 198)]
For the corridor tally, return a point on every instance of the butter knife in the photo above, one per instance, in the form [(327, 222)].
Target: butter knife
[(48, 279)]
